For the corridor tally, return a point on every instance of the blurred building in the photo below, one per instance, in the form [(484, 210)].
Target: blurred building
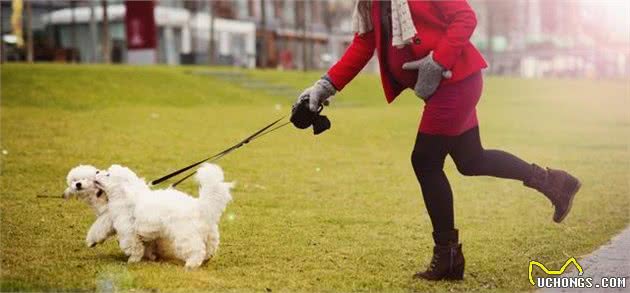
[(530, 38), (285, 34), (183, 35), (539, 38), (291, 34)]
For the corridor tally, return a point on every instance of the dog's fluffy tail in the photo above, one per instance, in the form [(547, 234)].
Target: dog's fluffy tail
[(214, 193)]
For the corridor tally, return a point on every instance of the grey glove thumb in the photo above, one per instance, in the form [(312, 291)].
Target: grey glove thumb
[(321, 91), (412, 65)]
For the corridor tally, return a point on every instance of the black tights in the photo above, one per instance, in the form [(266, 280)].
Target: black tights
[(470, 158)]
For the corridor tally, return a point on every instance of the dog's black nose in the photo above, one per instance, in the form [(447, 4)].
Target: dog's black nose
[(78, 185)]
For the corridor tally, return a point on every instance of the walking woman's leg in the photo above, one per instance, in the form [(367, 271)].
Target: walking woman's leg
[(427, 159), (472, 159)]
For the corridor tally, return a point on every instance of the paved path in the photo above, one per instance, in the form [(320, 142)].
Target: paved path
[(610, 260)]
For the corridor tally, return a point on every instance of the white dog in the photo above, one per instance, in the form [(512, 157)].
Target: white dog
[(184, 227), (80, 182)]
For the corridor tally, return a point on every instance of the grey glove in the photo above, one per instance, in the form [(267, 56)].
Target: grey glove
[(318, 94), (430, 74)]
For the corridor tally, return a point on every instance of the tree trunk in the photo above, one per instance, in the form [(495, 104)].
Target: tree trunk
[(193, 6), (304, 36), (211, 42), (50, 29), (328, 16), (105, 34), (1, 37), (300, 31), (263, 35), (29, 32), (93, 32)]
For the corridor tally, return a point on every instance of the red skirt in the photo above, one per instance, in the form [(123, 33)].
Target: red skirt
[(452, 108)]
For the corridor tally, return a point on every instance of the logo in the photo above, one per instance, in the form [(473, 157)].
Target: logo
[(554, 280), (569, 261)]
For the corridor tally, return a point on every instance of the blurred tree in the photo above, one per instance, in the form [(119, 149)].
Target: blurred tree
[(50, 29), (29, 31), (93, 32), (212, 13), (263, 35), (328, 15), (73, 30), (300, 23), (105, 34), (1, 35), (193, 7)]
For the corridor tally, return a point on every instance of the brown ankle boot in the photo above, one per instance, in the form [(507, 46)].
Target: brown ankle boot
[(448, 260), (558, 186)]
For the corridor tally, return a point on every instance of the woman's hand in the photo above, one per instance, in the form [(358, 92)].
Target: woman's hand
[(321, 91), (430, 73)]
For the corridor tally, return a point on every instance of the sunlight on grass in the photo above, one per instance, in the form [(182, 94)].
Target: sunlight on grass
[(337, 212)]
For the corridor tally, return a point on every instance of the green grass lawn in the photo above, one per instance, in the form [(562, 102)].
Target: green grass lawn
[(337, 212)]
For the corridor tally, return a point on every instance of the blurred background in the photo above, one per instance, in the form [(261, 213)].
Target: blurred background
[(526, 38), (346, 217)]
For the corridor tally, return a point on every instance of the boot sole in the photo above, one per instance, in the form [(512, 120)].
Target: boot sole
[(456, 275), (578, 185), (450, 277)]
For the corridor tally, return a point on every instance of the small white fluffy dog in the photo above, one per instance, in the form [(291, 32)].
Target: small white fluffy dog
[(184, 227), (80, 182)]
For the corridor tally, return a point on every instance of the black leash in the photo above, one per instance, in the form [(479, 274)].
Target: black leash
[(264, 131), (223, 154)]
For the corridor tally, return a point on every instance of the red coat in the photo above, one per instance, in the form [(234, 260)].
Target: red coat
[(443, 27)]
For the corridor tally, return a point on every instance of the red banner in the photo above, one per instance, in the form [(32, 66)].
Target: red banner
[(140, 24)]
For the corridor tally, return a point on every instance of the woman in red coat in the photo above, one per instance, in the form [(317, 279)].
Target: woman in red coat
[(425, 46)]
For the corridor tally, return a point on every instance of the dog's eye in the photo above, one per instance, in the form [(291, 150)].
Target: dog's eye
[(107, 175), (97, 171)]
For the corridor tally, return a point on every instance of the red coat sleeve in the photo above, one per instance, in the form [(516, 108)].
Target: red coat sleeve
[(461, 21), (353, 60)]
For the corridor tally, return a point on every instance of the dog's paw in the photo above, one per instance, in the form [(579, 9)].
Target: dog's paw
[(192, 264), (190, 267), (134, 259), (91, 243)]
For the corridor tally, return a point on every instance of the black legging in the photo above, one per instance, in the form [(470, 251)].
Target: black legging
[(470, 158)]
